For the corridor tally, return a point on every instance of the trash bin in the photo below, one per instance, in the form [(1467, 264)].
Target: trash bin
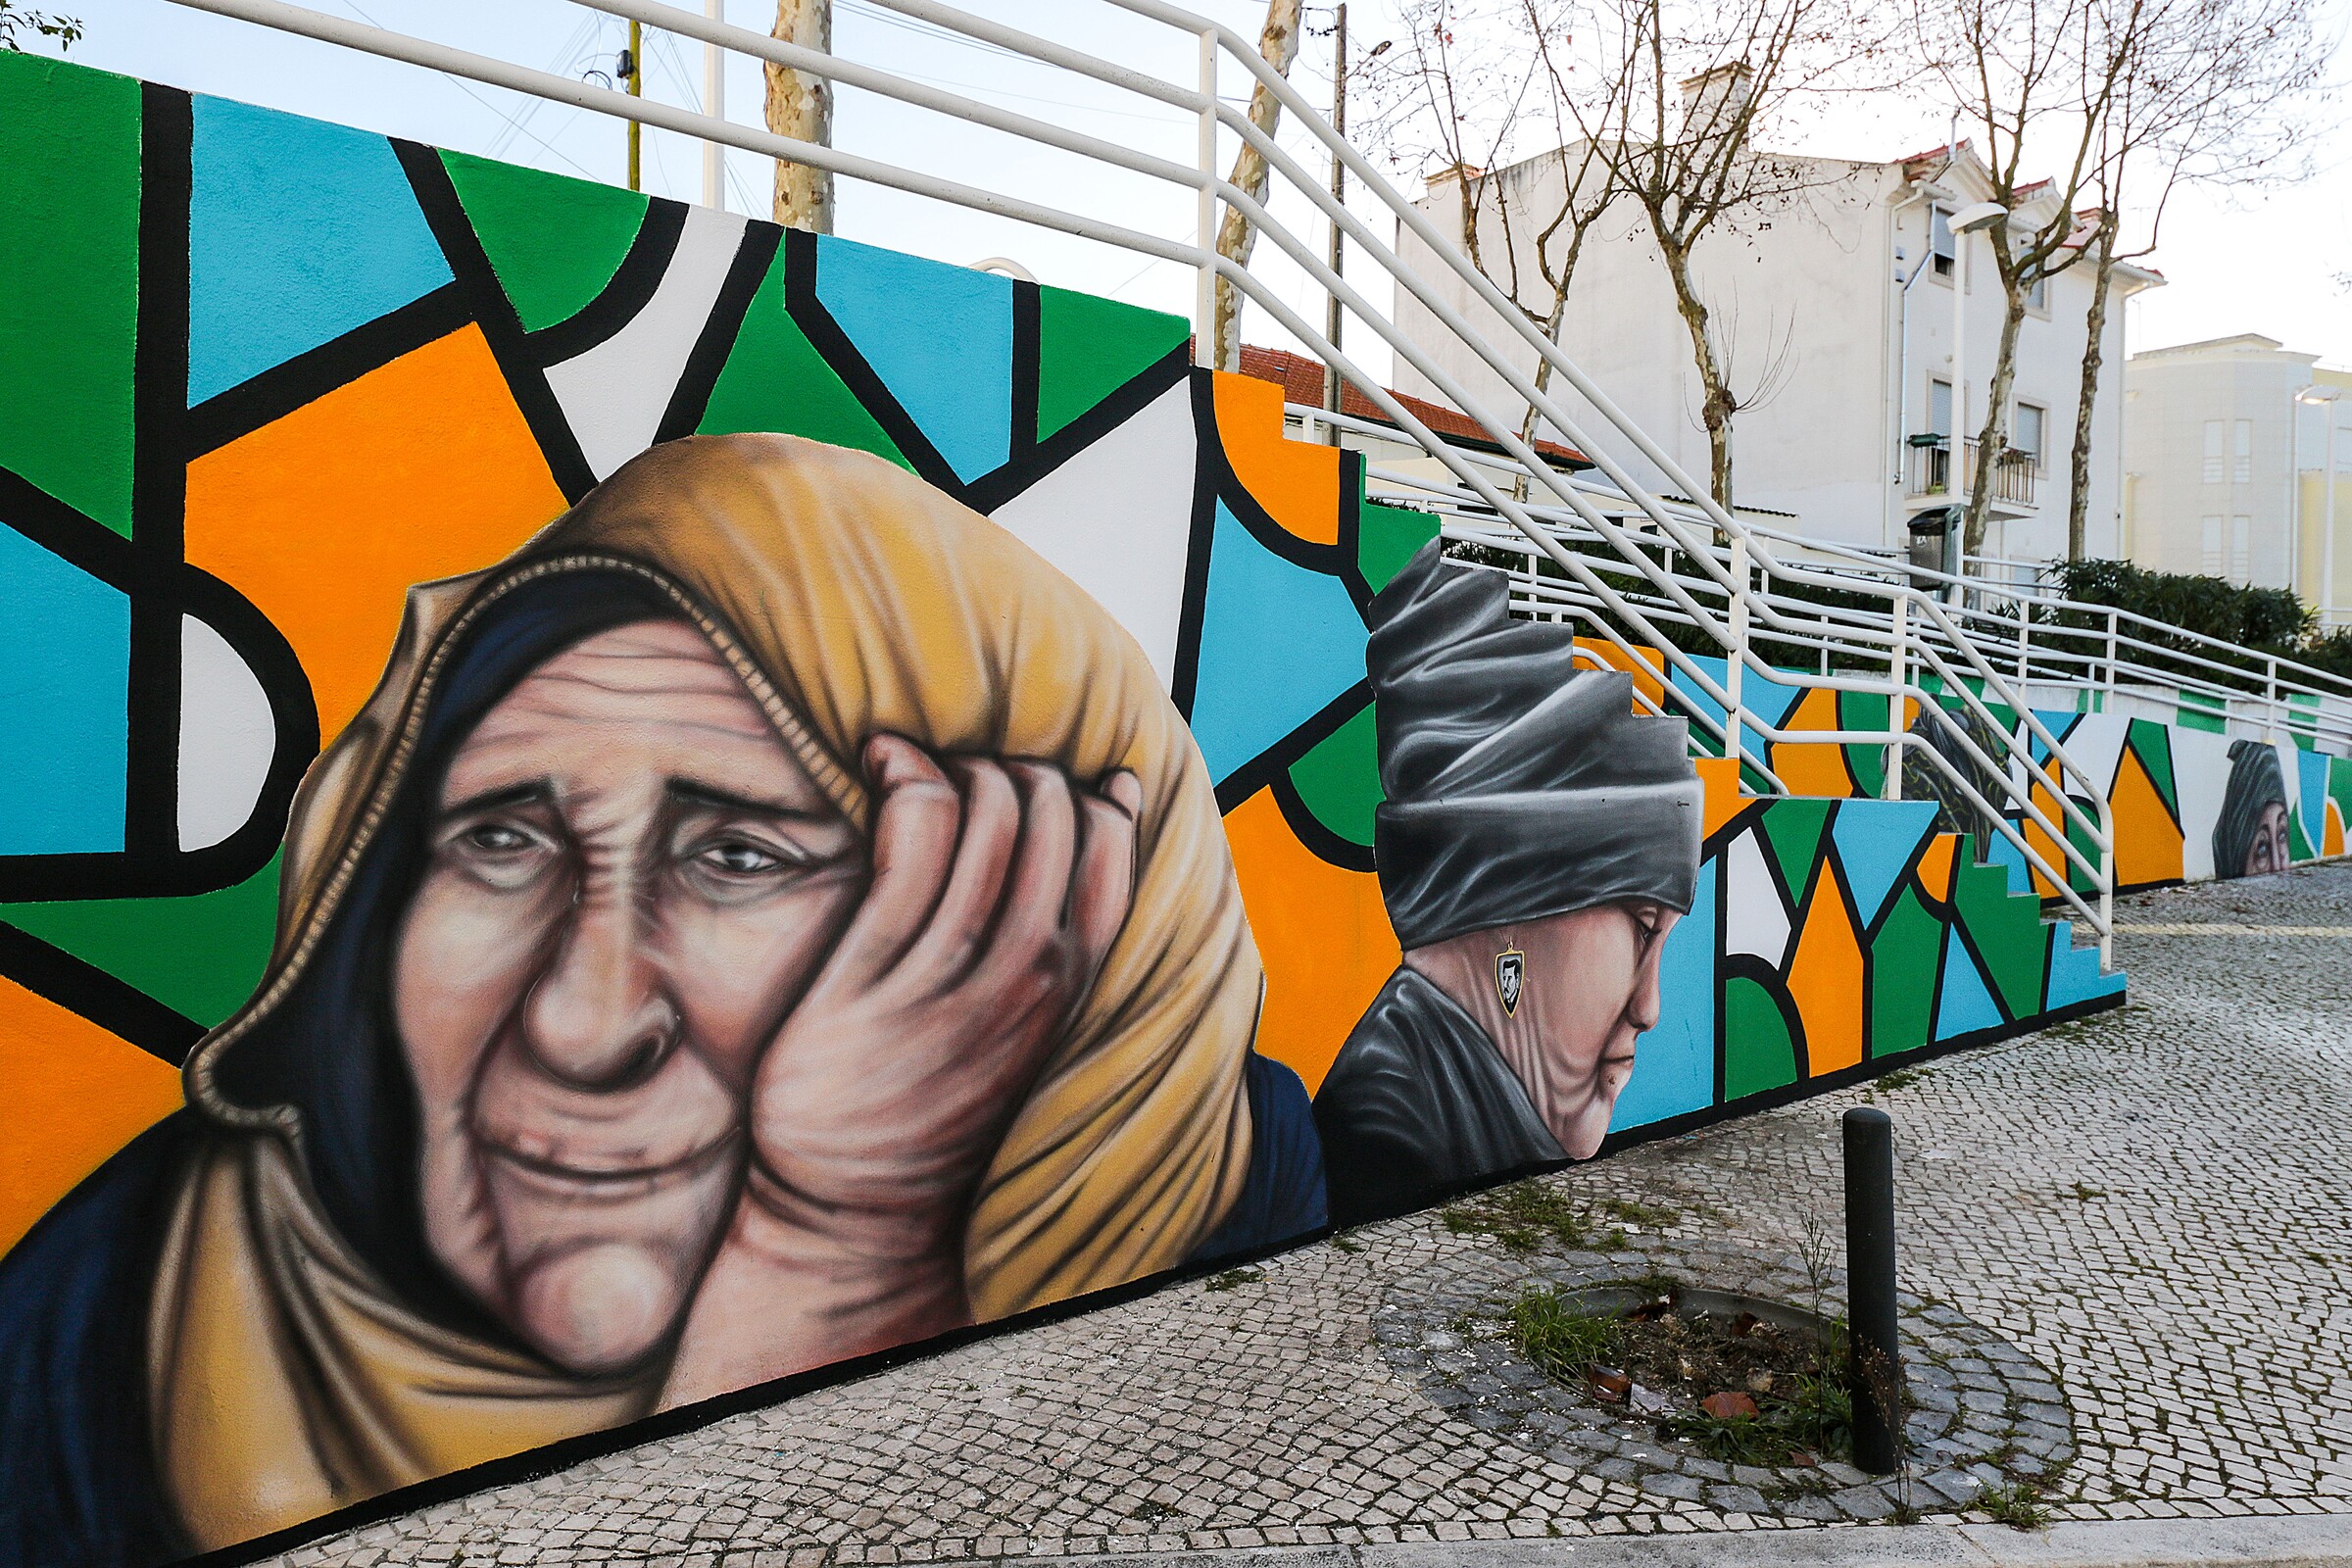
[(1936, 540)]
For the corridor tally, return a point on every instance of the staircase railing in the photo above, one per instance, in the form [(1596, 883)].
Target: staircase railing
[(1733, 591)]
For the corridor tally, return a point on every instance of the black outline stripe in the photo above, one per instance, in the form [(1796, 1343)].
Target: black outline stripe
[(502, 328), (1028, 340), (265, 399), (835, 346), (630, 289), (83, 989), (690, 400), (1307, 828), (1274, 762)]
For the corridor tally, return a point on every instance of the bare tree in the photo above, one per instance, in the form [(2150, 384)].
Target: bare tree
[(2207, 90), (801, 106), (1703, 84), (2024, 72), (1473, 86), (1235, 234)]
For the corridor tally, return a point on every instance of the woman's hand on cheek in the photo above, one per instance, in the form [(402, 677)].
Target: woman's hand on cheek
[(998, 891)]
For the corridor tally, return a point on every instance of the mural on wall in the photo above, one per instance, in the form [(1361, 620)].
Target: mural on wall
[(1536, 846), (427, 1033)]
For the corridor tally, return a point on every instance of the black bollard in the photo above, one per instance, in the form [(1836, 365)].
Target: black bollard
[(1877, 1369)]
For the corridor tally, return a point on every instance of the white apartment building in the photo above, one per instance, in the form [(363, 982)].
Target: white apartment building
[(2231, 448), (1860, 331)]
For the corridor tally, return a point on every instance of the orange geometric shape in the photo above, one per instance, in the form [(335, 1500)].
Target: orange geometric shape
[(1825, 980), (1646, 666), (420, 469), (2333, 835), (1816, 771), (1322, 933), (1936, 866), (1720, 777), (1297, 482), (2147, 840), (74, 1094)]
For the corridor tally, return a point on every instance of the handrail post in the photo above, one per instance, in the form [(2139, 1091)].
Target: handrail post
[(1734, 740), (2025, 651), (2112, 631), (1890, 788), (2269, 700), (1204, 212)]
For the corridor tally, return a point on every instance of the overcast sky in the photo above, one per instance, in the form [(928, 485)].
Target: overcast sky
[(2272, 261)]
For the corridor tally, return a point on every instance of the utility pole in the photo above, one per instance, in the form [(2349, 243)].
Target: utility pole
[(801, 106), (1332, 389), (715, 104), (632, 69)]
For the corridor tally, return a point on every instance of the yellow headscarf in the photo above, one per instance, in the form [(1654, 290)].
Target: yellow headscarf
[(851, 599)]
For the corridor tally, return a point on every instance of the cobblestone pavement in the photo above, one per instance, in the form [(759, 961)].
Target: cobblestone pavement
[(2148, 1208)]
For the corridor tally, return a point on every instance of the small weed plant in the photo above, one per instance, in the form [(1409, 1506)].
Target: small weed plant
[(1526, 1214), (1559, 1337), (1233, 1278), (2017, 1506)]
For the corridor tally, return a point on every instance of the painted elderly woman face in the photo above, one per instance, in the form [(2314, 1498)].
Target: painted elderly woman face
[(630, 882), (2268, 851)]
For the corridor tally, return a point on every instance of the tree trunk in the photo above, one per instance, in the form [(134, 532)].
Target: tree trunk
[(800, 106), (1993, 438), (1236, 235), (2078, 473), (1716, 403)]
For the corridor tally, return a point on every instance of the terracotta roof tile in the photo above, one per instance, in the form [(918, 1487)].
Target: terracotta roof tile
[(1301, 381)]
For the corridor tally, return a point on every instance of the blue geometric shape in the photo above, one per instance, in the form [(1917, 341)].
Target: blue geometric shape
[(1674, 1064), (1769, 700), (64, 703), (2075, 972), (1278, 642), (1967, 1004), (2313, 808), (939, 336), (2059, 724), (298, 231), (1876, 840), (1998, 850)]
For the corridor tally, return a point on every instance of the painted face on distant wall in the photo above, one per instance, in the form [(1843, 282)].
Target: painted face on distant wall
[(1587, 988), (630, 882), (2268, 851)]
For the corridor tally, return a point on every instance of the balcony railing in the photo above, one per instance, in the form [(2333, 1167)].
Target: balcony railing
[(1930, 472)]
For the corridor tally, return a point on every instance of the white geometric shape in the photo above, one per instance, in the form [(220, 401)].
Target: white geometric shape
[(1754, 920), (227, 737), (1117, 519), (616, 393)]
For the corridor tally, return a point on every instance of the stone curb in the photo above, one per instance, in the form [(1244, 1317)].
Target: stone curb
[(2301, 1541)]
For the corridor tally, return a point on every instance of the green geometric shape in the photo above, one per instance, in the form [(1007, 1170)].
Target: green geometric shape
[(775, 380), (2339, 785), (200, 955), (1088, 348), (1864, 711), (2152, 743), (1757, 1052), (1386, 538), (1793, 829), (1339, 779), (2197, 710), (2299, 846), (2007, 929), (554, 241), (68, 280), (1902, 976)]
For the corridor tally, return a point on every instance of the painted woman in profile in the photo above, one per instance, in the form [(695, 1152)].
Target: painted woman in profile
[(770, 918), (1538, 842), (2249, 837)]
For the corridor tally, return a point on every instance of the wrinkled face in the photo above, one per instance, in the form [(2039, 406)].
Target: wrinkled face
[(1589, 988), (2267, 853), (630, 882)]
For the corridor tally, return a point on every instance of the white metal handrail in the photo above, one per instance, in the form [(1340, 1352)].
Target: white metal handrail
[(1740, 571)]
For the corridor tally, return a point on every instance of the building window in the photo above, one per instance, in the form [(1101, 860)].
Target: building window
[(2031, 421), (2212, 460), (1940, 409), (1939, 240), (2242, 559), (2241, 464), (2210, 563), (2038, 292)]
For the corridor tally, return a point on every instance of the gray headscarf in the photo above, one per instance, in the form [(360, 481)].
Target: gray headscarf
[(2255, 785), (1517, 786)]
